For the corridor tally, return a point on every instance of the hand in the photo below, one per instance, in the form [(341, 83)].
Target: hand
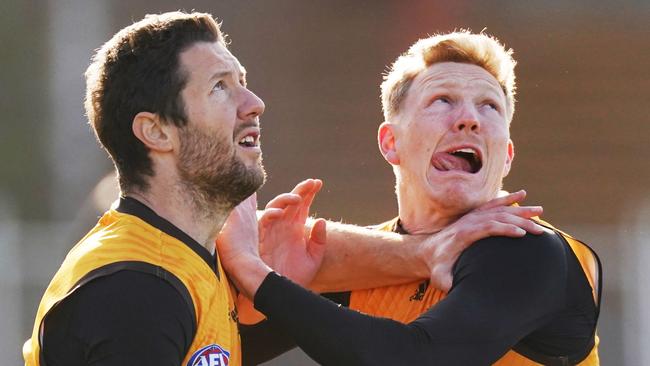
[(237, 247), (495, 218), (284, 245)]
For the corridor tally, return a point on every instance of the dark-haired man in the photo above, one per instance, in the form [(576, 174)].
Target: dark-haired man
[(169, 103)]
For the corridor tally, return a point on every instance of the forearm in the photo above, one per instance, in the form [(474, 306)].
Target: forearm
[(263, 342), (332, 335), (475, 324), (357, 258)]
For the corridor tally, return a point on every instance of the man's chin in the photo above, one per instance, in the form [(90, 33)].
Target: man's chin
[(228, 186), (454, 199), (252, 180), (260, 176)]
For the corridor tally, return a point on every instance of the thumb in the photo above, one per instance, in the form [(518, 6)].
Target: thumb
[(441, 281), (317, 239)]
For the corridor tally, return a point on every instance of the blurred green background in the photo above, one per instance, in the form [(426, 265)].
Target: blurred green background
[(581, 128)]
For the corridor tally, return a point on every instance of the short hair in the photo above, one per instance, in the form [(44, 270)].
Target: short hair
[(462, 46), (138, 70)]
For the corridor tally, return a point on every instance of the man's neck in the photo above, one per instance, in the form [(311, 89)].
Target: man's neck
[(422, 215), (185, 211), (417, 219)]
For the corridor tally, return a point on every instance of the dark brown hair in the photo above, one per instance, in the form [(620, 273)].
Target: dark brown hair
[(135, 71)]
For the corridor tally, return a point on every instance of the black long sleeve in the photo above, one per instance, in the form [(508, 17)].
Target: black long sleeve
[(504, 290), (262, 342), (266, 340), (136, 318), (127, 318)]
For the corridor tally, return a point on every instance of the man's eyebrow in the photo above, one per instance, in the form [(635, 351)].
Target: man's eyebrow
[(220, 74), (225, 73)]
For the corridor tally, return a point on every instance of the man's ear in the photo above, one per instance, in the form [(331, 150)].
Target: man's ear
[(509, 157), (155, 135), (387, 145)]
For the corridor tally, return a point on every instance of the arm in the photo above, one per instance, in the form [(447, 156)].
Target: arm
[(112, 321), (500, 294), (263, 342), (357, 257)]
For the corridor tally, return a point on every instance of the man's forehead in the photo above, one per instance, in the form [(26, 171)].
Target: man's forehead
[(455, 74), (209, 57)]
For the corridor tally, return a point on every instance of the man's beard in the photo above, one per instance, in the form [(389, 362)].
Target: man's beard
[(211, 172)]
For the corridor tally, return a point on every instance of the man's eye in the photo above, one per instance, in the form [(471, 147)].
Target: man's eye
[(219, 85), (442, 99), (493, 106)]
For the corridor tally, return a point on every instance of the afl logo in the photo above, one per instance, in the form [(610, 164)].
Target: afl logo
[(211, 355)]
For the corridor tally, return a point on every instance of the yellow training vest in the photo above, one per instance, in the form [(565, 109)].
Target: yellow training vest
[(122, 241), (398, 302)]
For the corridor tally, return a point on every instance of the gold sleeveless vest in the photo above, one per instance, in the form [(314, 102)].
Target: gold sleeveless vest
[(121, 241)]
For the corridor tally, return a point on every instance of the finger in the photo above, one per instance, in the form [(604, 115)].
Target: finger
[(506, 200), (529, 225), (309, 198), (318, 233), (497, 228), (522, 211), (292, 210), (306, 190), (303, 187), (307, 187), (317, 239), (503, 225), (266, 219), (270, 214), (486, 229), (494, 212), (520, 221), (283, 200)]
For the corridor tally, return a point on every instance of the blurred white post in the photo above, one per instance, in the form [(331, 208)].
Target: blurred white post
[(30, 252), (636, 285), (10, 288), (77, 28)]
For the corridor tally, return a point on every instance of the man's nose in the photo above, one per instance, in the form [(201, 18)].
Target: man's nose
[(468, 120), (252, 106)]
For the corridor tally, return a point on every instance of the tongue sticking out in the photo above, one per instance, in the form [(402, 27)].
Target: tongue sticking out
[(446, 162)]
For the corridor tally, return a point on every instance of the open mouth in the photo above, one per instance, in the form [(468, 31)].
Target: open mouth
[(252, 139), (464, 159)]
